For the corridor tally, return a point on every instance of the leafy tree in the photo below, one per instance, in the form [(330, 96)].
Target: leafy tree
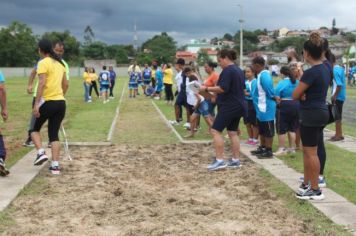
[(163, 47), (96, 50), (17, 45), (143, 58), (350, 37), (228, 36), (295, 42), (89, 36), (202, 57), (118, 53), (71, 45)]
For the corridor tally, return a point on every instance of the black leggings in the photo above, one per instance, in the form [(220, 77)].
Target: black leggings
[(111, 88), (169, 92), (321, 153), (54, 112), (93, 85)]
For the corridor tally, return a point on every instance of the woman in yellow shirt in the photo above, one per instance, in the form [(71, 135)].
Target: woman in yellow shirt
[(86, 84), (49, 103), (94, 78), (168, 83)]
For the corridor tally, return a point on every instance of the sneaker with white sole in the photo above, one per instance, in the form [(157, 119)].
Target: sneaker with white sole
[(186, 125), (55, 170), (310, 194), (233, 163), (173, 122), (3, 170), (303, 187), (217, 165), (40, 159), (280, 152), (321, 183)]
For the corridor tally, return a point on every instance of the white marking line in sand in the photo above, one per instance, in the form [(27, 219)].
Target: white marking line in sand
[(174, 130), (113, 124)]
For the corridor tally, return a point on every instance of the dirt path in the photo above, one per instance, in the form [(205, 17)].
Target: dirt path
[(151, 190)]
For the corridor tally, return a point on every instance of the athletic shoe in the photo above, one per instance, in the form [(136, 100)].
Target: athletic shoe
[(321, 183), (265, 155), (280, 152), (186, 125), (88, 101), (3, 170), (28, 143), (233, 164), (310, 194), (291, 150), (249, 142), (259, 150), (173, 122), (217, 165), (254, 143), (40, 159), (111, 97), (55, 170), (303, 187)]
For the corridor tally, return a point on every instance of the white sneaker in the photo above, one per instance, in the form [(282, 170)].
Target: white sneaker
[(280, 152), (186, 125), (173, 122), (89, 100)]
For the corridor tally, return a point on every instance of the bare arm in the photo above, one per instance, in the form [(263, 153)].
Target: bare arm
[(215, 89), (299, 92), (65, 84), (31, 78), (41, 84), (3, 103)]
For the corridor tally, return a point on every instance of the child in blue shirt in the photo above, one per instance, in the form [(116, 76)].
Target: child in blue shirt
[(133, 85), (159, 82), (105, 84)]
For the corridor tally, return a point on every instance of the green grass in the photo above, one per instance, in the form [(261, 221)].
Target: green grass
[(314, 221), (83, 121)]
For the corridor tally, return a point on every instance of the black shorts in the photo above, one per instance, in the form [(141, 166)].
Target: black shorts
[(230, 121), (250, 117), (338, 110), (54, 112), (266, 128), (310, 136), (287, 119), (181, 99)]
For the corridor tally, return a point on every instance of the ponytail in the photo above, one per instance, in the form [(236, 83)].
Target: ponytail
[(285, 70), (46, 47)]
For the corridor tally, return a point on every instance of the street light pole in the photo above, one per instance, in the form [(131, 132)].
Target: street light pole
[(241, 36)]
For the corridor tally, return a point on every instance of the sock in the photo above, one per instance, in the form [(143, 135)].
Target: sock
[(54, 163), (255, 140), (234, 159), (41, 151), (219, 159)]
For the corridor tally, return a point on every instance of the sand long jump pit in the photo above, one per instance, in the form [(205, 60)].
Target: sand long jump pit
[(150, 190)]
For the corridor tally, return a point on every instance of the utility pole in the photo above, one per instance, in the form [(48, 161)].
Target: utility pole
[(241, 36), (135, 39)]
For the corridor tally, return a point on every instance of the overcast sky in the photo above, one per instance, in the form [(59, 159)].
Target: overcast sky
[(112, 20)]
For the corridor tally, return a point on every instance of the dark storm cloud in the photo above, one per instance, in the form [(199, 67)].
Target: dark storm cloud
[(112, 21)]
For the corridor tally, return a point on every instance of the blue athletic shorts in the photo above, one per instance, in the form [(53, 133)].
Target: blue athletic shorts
[(203, 109)]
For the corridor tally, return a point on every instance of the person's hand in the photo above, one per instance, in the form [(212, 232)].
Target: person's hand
[(36, 111), (4, 114), (29, 89), (202, 88), (303, 97)]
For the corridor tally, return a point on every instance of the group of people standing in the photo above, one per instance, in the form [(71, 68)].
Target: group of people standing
[(106, 80), (297, 106)]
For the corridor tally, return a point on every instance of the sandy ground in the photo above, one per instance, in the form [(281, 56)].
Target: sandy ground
[(151, 190)]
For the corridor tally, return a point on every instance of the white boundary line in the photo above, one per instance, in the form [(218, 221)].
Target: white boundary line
[(174, 130), (113, 124)]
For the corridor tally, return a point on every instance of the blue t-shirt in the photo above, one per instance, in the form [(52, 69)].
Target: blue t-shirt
[(147, 74), (2, 78), (263, 97), (104, 77), (159, 77), (285, 88), (112, 75), (134, 76), (318, 78), (339, 80), (248, 88), (232, 100)]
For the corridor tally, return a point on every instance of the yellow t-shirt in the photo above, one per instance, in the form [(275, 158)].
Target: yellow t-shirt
[(168, 76), (87, 77), (54, 71), (93, 76)]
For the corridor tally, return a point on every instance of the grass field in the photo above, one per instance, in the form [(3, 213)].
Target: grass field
[(83, 121)]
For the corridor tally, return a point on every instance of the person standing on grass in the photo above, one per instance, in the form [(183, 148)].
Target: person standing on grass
[(94, 79), (159, 82), (3, 170), (133, 84), (49, 103), (211, 81), (287, 113), (146, 74), (178, 103), (338, 97), (86, 83), (168, 83), (231, 107), (314, 115), (112, 81), (250, 119), (265, 105), (105, 84)]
